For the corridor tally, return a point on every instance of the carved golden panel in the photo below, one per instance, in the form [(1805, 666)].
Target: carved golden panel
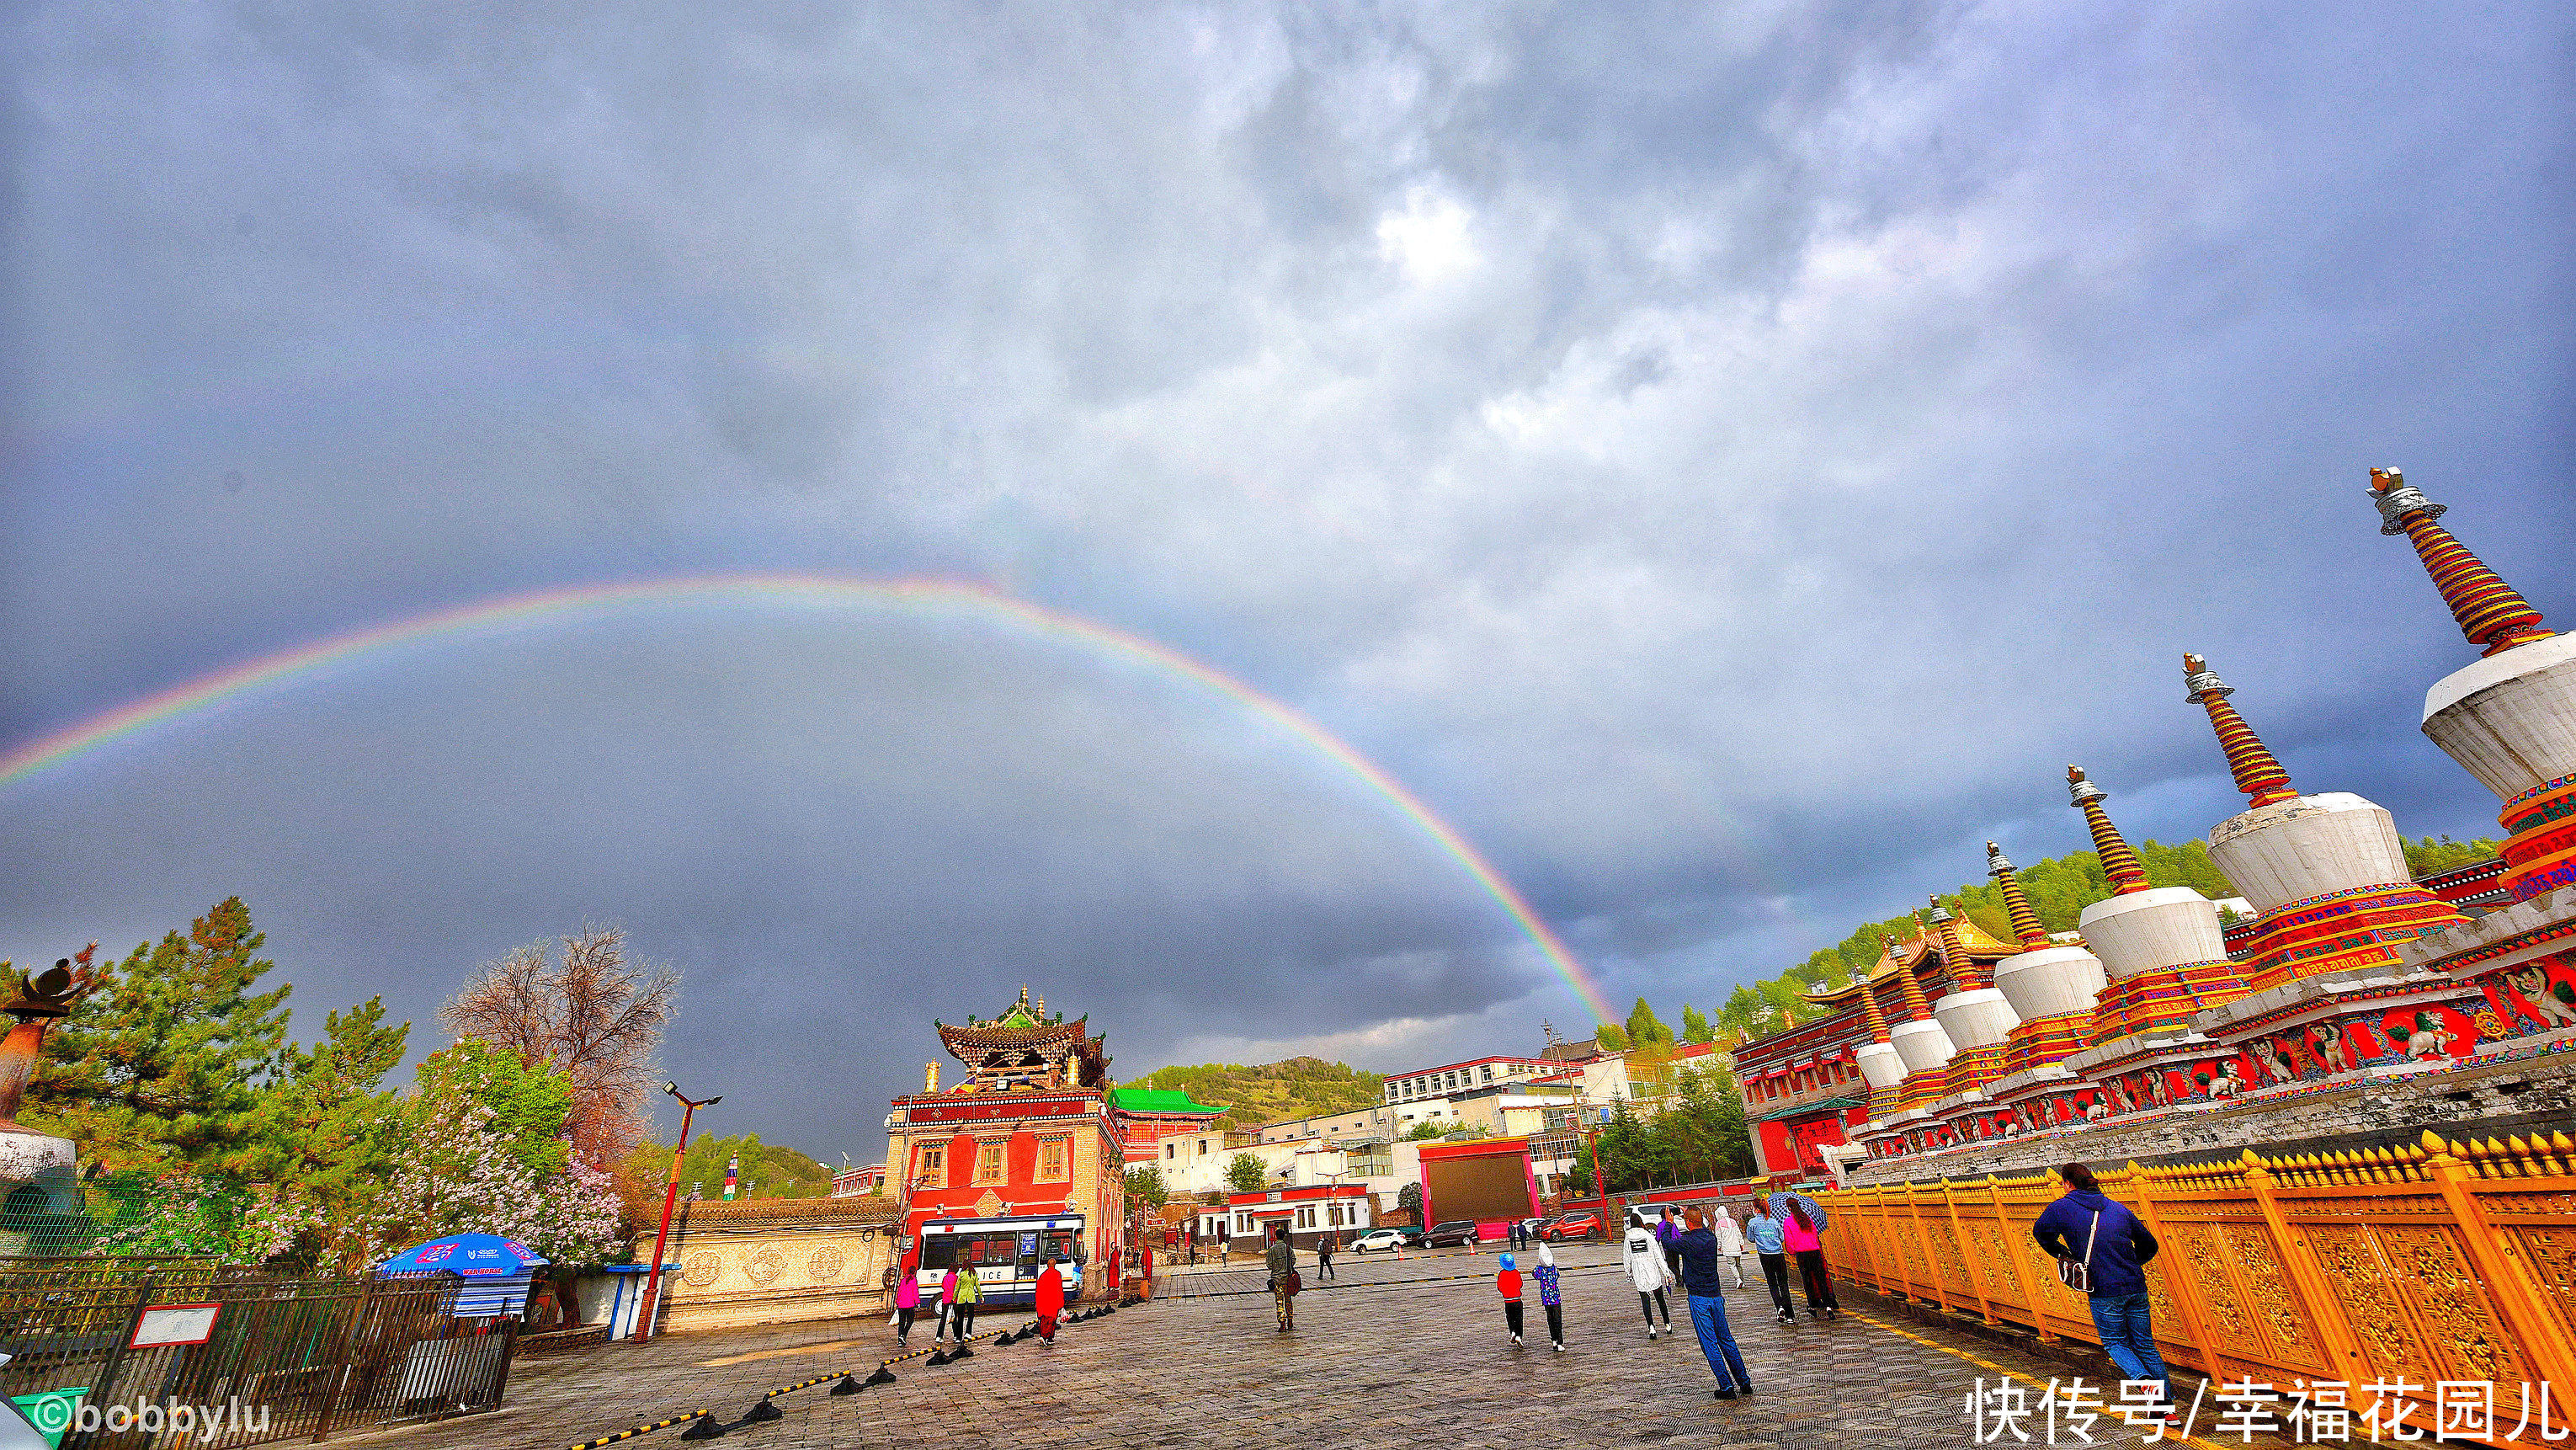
[(702, 1269), (2204, 1258), (825, 1266), (2273, 1297), (2459, 1319), (2351, 1262), (2550, 1250)]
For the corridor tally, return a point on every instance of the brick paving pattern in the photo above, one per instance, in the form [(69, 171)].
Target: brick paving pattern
[(1380, 1363)]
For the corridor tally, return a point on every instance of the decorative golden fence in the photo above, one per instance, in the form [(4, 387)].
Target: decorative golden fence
[(2441, 1262)]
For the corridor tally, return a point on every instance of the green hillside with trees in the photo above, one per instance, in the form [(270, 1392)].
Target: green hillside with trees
[(769, 1170), (1299, 1087), (2059, 889)]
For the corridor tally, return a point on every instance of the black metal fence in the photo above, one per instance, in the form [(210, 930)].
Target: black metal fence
[(288, 1358)]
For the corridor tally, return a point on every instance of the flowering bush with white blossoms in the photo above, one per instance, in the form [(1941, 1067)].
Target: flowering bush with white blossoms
[(458, 1176)]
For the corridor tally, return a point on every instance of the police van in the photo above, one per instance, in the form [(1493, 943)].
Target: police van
[(1007, 1254)]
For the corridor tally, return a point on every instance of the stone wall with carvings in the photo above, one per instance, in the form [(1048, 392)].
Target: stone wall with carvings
[(776, 1260), (2475, 1100)]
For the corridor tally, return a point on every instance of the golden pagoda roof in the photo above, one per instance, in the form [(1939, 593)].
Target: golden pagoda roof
[(1914, 955)]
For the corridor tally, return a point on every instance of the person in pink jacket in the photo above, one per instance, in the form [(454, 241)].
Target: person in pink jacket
[(947, 1306), (1804, 1238), (907, 1303)]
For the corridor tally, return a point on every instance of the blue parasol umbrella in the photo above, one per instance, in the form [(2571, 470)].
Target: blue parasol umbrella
[(473, 1256), (496, 1270)]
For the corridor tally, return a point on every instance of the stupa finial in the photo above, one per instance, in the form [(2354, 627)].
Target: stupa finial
[(1869, 1008), (2119, 863), (2025, 922), (2490, 613), (2248, 759), (1918, 1008), (1965, 975)]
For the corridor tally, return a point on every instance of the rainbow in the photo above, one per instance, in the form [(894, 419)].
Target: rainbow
[(519, 612)]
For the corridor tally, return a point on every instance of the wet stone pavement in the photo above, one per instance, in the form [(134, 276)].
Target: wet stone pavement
[(1393, 1355)]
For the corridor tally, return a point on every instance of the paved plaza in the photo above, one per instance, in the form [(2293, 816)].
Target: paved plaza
[(1381, 1359)]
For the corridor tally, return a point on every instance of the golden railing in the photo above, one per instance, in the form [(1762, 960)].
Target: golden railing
[(2432, 1262)]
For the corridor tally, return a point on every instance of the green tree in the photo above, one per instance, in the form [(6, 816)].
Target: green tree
[(1427, 1129), (161, 1064), (2427, 855), (1246, 1173), (530, 1106), (1644, 1027), (1695, 1028), (1611, 1038), (329, 1133), (1145, 1185)]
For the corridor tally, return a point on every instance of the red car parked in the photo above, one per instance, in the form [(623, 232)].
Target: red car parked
[(1582, 1224)]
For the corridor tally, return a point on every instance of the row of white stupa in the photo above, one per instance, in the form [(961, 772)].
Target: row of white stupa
[(2509, 719)]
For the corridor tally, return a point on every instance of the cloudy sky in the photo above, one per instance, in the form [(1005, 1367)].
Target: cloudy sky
[(1725, 459)]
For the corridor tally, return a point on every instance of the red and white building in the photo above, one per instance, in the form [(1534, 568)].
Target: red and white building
[(1311, 1214)]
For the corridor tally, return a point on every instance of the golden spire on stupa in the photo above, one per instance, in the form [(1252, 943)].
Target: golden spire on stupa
[(1965, 974), (1869, 1009), (2248, 759), (2119, 863), (1918, 1008), (2025, 922), (2490, 613)]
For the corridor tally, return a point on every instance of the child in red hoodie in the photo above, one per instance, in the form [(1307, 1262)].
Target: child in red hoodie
[(1508, 1282)]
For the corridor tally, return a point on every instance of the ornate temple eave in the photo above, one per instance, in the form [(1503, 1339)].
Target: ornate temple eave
[(1917, 956)]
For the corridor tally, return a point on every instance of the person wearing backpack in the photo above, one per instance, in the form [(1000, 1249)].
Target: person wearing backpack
[(2101, 1248)]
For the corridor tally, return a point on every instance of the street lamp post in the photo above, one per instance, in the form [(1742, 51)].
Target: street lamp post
[(670, 1197)]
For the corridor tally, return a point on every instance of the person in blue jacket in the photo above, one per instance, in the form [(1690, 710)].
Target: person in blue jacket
[(1768, 1232), (2113, 1245), (1708, 1305)]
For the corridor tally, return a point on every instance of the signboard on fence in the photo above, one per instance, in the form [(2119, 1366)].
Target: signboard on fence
[(165, 1324)]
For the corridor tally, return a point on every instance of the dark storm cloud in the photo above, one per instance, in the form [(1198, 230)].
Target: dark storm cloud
[(1728, 459)]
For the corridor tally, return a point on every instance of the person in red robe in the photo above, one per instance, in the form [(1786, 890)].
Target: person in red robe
[(1050, 1303)]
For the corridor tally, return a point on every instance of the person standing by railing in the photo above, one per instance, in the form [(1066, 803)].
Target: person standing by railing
[(1804, 1238), (2110, 1247), (1769, 1236)]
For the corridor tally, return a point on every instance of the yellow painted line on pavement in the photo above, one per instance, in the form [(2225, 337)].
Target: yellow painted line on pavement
[(2194, 1441)]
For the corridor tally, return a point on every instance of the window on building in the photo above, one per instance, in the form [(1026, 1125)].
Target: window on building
[(1055, 1160), (1243, 1223), (1489, 1074), (988, 1163), (1202, 1147), (1306, 1217), (932, 1169)]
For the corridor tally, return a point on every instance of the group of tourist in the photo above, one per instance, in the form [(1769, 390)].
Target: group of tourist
[(960, 1292)]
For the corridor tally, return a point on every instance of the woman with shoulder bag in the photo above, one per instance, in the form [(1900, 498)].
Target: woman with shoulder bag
[(2101, 1248)]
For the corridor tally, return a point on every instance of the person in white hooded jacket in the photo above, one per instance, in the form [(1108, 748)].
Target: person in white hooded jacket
[(1730, 1241), (1647, 1270)]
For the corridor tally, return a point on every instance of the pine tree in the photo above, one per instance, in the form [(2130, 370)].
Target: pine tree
[(1610, 1037), (328, 1129), (1694, 1027), (1644, 1027), (161, 1066)]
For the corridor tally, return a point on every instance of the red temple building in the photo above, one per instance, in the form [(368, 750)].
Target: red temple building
[(1030, 1132)]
